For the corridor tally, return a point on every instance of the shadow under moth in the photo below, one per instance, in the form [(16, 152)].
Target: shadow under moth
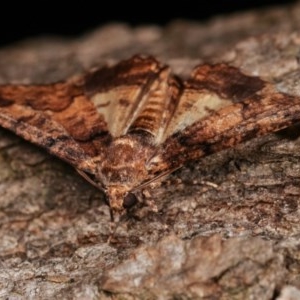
[(125, 126)]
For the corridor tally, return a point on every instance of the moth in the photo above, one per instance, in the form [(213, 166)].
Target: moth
[(127, 125)]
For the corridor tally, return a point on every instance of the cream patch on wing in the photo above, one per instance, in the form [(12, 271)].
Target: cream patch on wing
[(194, 106), (117, 107)]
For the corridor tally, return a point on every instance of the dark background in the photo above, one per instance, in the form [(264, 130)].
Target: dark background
[(23, 20)]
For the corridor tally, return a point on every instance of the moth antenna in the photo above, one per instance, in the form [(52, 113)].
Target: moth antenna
[(158, 178)]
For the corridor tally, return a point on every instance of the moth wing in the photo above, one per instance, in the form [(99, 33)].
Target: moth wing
[(35, 113), (76, 119), (219, 108)]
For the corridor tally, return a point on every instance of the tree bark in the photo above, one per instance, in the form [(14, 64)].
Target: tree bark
[(226, 227)]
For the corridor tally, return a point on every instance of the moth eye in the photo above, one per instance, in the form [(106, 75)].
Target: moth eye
[(129, 200)]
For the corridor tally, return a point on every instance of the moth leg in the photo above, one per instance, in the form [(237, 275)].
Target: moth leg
[(114, 224), (149, 201), (144, 196), (210, 184)]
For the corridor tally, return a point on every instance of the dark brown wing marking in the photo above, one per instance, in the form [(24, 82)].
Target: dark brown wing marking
[(29, 111)]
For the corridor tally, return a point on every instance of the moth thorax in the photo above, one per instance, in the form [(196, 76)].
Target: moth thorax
[(124, 163)]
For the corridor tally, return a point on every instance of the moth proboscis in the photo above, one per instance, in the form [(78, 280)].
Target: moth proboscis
[(126, 125)]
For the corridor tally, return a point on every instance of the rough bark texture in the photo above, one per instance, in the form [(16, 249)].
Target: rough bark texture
[(227, 226)]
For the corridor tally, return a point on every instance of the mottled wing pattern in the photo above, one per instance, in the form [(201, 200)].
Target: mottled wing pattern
[(75, 119), (43, 115), (219, 108)]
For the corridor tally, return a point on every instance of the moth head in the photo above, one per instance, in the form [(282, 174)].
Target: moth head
[(120, 199)]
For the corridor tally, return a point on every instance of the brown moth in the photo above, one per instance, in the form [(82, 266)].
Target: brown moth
[(127, 125)]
